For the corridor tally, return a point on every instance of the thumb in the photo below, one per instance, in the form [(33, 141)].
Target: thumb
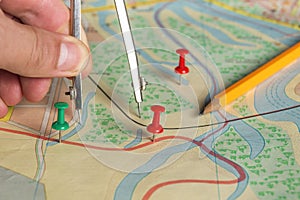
[(32, 52)]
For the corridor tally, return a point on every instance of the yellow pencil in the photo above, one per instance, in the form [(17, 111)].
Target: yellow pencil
[(253, 79)]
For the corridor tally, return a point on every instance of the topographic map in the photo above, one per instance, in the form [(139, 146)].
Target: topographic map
[(246, 150)]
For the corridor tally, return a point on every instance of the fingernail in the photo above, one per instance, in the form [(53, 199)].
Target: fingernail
[(63, 55), (70, 57)]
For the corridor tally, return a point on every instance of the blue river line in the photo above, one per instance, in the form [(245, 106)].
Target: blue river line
[(264, 27), (127, 186), (271, 95), (136, 141), (219, 34), (102, 22), (250, 135), (98, 3)]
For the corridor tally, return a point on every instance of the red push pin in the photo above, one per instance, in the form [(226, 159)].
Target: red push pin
[(155, 126), (182, 68)]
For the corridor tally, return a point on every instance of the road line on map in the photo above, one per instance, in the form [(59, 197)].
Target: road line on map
[(180, 181), (23, 127), (173, 182), (198, 143), (242, 17), (238, 168), (112, 7), (244, 13), (167, 128)]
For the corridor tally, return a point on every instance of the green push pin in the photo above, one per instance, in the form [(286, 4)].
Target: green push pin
[(60, 124)]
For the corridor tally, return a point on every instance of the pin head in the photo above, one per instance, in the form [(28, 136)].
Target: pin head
[(182, 51), (182, 68), (61, 105), (157, 108), (61, 124), (155, 126)]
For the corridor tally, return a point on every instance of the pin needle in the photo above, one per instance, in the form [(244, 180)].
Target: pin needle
[(59, 136), (181, 68), (139, 109)]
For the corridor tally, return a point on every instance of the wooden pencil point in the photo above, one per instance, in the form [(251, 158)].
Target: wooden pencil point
[(213, 106)]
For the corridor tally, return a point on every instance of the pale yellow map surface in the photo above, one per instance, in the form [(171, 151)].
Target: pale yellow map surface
[(248, 150)]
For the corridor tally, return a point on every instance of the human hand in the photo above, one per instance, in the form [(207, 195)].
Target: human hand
[(35, 49)]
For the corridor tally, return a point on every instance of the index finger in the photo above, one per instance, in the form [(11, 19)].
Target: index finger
[(51, 15)]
